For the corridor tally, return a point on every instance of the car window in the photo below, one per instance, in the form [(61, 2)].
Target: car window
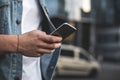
[(86, 56), (83, 56), (67, 53)]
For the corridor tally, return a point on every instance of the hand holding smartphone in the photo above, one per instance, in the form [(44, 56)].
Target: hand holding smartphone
[(64, 30)]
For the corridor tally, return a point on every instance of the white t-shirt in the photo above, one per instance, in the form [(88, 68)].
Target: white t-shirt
[(30, 21)]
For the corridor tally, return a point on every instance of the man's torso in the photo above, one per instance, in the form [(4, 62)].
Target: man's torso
[(10, 23)]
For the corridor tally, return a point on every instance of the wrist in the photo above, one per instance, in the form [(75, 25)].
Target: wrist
[(8, 43), (13, 44), (17, 45)]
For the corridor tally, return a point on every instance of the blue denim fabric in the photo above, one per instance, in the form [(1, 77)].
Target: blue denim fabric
[(10, 23)]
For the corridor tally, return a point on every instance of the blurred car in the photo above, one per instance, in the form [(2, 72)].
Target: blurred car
[(76, 61)]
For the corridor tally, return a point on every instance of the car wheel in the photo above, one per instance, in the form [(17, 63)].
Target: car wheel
[(93, 73)]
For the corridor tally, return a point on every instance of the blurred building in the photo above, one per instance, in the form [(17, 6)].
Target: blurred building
[(107, 28)]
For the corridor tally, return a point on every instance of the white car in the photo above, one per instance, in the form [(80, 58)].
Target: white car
[(76, 61)]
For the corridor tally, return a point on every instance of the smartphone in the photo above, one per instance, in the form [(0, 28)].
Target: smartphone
[(64, 30)]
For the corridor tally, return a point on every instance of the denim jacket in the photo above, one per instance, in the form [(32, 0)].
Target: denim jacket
[(10, 23)]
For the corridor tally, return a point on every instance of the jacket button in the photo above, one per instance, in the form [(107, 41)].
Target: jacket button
[(17, 78), (18, 21)]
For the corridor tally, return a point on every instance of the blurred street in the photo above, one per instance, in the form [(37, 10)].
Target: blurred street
[(109, 71)]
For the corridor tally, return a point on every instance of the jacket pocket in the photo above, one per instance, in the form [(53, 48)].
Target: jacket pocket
[(3, 4), (4, 16)]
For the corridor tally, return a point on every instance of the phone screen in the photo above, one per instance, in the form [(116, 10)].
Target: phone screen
[(64, 30)]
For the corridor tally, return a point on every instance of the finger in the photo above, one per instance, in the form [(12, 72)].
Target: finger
[(42, 51), (49, 45), (52, 39)]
